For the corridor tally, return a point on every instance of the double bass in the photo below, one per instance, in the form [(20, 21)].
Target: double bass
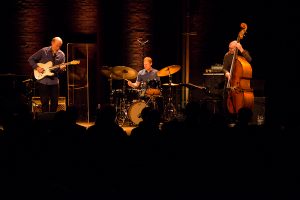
[(240, 93)]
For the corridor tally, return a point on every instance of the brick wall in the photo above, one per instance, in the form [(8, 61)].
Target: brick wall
[(37, 22)]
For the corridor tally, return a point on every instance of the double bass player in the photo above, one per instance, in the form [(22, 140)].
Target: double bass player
[(233, 45), (232, 104)]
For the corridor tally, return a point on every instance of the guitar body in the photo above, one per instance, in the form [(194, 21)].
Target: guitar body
[(46, 72), (48, 67)]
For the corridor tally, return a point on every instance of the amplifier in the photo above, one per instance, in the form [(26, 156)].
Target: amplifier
[(215, 83), (36, 105)]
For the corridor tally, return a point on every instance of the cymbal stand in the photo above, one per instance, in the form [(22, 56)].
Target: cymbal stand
[(110, 90), (152, 101), (124, 87), (122, 114), (170, 109)]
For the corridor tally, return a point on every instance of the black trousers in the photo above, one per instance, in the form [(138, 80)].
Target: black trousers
[(49, 96)]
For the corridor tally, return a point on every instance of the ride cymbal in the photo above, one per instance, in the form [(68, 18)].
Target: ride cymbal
[(107, 71), (166, 71), (124, 72)]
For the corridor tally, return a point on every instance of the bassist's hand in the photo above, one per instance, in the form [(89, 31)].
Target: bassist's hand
[(227, 75)]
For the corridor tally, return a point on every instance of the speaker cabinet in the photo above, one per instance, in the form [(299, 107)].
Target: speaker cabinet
[(37, 105), (215, 84)]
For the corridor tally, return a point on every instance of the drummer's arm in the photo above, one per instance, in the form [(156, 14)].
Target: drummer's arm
[(134, 85)]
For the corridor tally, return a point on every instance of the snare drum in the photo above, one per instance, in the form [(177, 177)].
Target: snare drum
[(153, 87)]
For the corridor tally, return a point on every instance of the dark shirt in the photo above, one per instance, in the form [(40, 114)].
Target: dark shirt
[(148, 78), (144, 75), (227, 61), (45, 55)]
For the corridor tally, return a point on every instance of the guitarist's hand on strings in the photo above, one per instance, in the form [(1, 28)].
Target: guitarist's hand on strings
[(40, 69)]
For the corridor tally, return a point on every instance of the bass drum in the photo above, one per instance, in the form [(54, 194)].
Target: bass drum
[(135, 110)]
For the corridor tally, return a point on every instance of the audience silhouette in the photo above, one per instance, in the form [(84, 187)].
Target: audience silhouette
[(195, 153)]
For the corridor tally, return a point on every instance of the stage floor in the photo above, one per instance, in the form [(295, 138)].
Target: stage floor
[(126, 128)]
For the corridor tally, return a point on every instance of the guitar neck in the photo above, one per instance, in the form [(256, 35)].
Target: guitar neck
[(57, 66)]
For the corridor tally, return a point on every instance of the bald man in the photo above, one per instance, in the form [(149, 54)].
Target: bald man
[(47, 79), (233, 45)]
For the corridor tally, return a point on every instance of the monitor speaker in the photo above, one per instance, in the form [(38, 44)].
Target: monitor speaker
[(37, 105)]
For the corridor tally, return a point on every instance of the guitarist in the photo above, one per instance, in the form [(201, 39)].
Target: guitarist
[(48, 87)]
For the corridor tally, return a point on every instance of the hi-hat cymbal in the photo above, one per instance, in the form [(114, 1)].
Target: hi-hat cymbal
[(170, 84), (107, 71), (166, 71), (124, 72)]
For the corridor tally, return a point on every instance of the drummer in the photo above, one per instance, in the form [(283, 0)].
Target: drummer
[(145, 75)]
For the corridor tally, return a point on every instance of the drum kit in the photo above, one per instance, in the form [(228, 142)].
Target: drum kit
[(129, 102)]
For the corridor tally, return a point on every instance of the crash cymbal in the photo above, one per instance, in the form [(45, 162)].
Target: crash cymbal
[(107, 71), (166, 71), (124, 72), (172, 84)]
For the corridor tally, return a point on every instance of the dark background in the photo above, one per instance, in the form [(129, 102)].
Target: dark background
[(114, 26)]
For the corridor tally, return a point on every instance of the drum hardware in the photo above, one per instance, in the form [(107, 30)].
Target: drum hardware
[(122, 115), (121, 98), (153, 88), (152, 101), (190, 85), (170, 84), (132, 94), (118, 73), (107, 72), (170, 111), (124, 73)]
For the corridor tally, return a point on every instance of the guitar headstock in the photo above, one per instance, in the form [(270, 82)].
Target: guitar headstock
[(75, 62), (243, 30)]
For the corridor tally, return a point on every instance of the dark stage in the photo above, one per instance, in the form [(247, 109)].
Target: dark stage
[(187, 40)]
